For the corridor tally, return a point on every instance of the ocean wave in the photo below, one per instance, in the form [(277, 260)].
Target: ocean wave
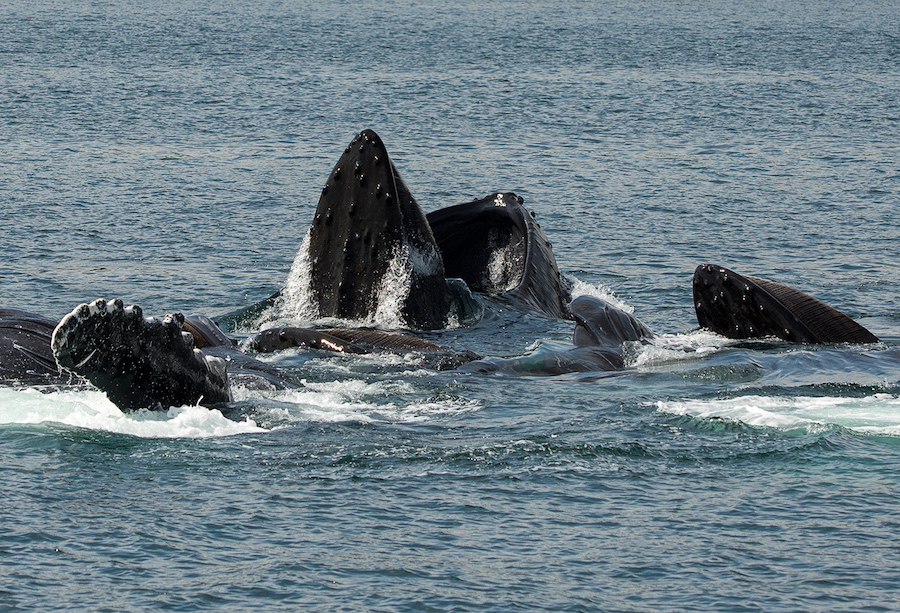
[(877, 414)]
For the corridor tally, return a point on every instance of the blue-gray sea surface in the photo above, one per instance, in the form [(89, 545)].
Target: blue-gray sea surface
[(172, 154)]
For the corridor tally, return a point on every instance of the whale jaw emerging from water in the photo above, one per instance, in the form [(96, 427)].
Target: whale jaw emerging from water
[(495, 245), (371, 244), (742, 307), (368, 231)]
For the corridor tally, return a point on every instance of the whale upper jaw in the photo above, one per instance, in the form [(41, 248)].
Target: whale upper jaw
[(369, 236)]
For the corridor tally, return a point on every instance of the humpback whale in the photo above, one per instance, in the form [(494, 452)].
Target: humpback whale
[(369, 231), (139, 362), (743, 307), (367, 222), (369, 238), (601, 336), (154, 363), (497, 247)]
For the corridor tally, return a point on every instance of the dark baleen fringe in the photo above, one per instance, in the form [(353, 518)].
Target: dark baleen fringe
[(383, 341), (828, 324)]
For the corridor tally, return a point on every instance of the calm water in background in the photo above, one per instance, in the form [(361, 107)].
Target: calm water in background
[(172, 154)]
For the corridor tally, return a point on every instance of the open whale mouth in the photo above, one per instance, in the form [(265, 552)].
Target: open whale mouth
[(372, 255), (497, 247)]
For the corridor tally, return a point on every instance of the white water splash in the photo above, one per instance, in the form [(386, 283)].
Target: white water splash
[(668, 348), (580, 288), (297, 304), (347, 400), (296, 301), (393, 291), (876, 414), (93, 410), (354, 400)]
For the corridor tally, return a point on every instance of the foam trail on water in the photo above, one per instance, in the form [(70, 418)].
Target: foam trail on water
[(876, 414), (92, 410), (666, 348), (353, 400)]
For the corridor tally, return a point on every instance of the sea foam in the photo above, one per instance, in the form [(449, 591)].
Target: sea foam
[(92, 410), (875, 414)]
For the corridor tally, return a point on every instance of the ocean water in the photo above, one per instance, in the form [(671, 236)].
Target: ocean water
[(172, 154)]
